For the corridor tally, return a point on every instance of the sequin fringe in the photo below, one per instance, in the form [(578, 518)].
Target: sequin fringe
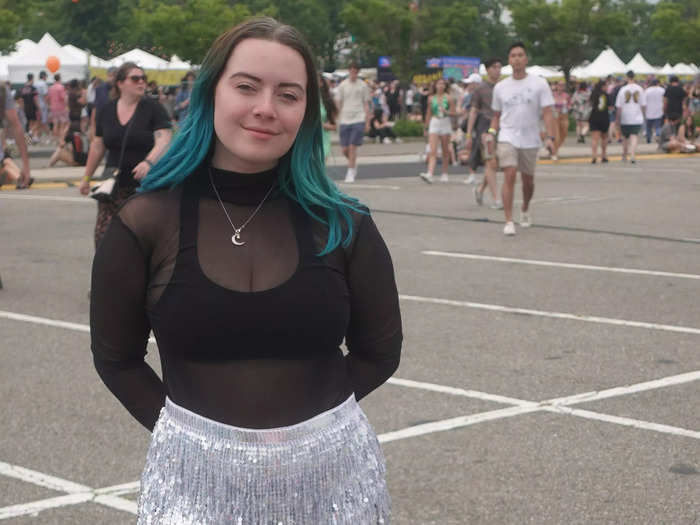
[(328, 470)]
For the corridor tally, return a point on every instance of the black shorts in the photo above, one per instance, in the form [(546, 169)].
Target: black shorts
[(598, 124), (30, 114)]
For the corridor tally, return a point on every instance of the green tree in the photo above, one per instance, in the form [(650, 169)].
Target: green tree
[(9, 26), (676, 27), (385, 27), (566, 33), (88, 24), (186, 28), (636, 37)]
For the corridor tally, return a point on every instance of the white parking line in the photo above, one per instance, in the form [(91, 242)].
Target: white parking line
[(77, 493), (554, 315), (625, 421), (47, 198), (456, 422), (535, 262), (458, 392)]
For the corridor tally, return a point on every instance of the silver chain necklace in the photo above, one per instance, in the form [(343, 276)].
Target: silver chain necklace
[(236, 237)]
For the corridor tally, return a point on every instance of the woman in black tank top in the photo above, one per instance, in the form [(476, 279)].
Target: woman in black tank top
[(251, 268)]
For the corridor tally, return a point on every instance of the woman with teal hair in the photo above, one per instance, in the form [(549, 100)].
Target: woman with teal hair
[(251, 268)]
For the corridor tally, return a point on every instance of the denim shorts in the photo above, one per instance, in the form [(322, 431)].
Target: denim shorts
[(352, 134)]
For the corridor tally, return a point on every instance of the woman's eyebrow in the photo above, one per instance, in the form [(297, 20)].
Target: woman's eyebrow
[(256, 79)]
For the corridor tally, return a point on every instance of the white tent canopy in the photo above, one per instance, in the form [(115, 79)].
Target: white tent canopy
[(178, 64), (83, 56), (640, 66), (142, 59), (682, 69), (607, 63), (32, 59), (666, 70)]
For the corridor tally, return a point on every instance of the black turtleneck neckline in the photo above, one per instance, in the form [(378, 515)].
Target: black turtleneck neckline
[(236, 188)]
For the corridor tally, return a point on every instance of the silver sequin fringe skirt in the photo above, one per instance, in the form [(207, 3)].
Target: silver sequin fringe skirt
[(326, 470)]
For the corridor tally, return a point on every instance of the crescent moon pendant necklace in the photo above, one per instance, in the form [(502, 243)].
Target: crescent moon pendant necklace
[(236, 237)]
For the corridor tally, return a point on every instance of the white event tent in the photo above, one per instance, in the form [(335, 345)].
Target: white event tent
[(607, 63), (32, 59), (683, 69), (640, 66), (666, 70), (142, 58)]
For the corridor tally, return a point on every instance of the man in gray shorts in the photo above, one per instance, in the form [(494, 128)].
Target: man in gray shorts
[(517, 103), (353, 107)]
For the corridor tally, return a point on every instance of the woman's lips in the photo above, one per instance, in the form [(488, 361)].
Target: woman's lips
[(261, 133)]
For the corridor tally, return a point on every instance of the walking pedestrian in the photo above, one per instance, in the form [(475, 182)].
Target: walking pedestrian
[(355, 114), (562, 104), (438, 129), (674, 98), (250, 267), (148, 136), (517, 103), (655, 109), (42, 90), (581, 109), (475, 158), (630, 105), (30, 95), (58, 103), (599, 121), (8, 115), (480, 116)]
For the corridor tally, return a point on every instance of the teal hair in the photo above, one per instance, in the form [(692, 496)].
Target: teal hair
[(301, 171)]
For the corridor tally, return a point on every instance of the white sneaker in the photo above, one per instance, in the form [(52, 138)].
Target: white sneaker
[(387, 140), (398, 140), (478, 196), (509, 229), (554, 157), (498, 205), (427, 177), (470, 180), (444, 178), (349, 177), (525, 219)]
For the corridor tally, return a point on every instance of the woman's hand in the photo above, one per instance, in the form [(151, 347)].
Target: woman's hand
[(141, 170), (85, 187)]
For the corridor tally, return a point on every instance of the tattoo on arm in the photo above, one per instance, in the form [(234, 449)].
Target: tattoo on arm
[(158, 133)]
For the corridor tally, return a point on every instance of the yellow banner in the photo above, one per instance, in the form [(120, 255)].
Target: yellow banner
[(170, 77), (426, 79)]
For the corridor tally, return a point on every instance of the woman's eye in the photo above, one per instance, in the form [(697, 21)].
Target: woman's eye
[(245, 87), (291, 97)]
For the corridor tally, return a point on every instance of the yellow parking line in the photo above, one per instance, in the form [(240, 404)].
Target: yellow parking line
[(39, 186), (649, 156)]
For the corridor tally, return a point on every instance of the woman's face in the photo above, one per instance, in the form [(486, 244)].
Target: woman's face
[(134, 84), (440, 86), (259, 105)]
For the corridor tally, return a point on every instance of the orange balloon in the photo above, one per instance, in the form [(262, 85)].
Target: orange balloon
[(53, 64)]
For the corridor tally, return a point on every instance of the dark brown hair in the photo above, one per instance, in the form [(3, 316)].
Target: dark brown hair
[(120, 76)]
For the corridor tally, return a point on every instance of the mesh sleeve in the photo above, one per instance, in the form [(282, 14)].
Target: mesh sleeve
[(374, 336), (119, 326)]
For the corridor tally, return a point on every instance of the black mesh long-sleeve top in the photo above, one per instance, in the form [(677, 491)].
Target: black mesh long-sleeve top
[(247, 335)]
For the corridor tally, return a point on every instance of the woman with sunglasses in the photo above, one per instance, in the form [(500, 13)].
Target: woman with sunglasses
[(149, 132), (250, 267)]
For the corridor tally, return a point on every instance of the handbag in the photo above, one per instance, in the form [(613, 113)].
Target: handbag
[(106, 191)]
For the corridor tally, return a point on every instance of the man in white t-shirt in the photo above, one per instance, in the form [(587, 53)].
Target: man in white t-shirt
[(630, 104), (655, 109), (517, 104), (354, 116)]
